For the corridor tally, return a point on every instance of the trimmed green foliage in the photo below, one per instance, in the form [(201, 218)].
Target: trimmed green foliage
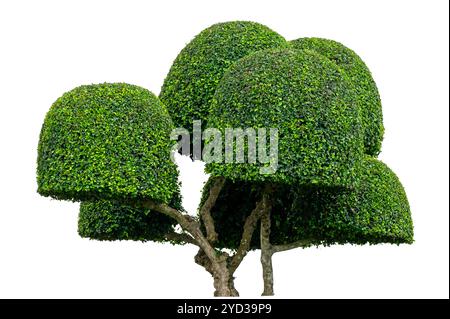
[(312, 104), (377, 211), (111, 220), (197, 70), (108, 141), (367, 92)]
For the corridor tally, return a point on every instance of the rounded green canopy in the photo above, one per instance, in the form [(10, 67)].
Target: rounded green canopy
[(112, 220), (366, 89), (377, 211), (192, 80), (108, 141), (311, 104)]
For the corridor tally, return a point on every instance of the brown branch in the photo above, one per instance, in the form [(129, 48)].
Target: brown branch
[(244, 246), (266, 253), (218, 260), (297, 244), (205, 210), (188, 224), (249, 228), (181, 238)]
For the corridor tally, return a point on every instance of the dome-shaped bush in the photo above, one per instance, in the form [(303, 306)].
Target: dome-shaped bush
[(190, 84), (366, 89), (111, 220), (311, 103), (377, 211), (106, 141)]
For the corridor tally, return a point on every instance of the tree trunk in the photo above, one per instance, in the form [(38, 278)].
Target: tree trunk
[(266, 253), (223, 280), (266, 262), (234, 292), (218, 263), (224, 283)]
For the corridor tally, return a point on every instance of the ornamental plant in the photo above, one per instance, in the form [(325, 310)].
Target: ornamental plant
[(109, 147)]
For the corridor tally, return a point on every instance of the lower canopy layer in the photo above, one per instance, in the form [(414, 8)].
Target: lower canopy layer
[(376, 211)]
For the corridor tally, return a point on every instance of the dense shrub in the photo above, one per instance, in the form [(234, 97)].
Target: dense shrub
[(366, 89), (377, 211), (107, 141), (312, 104), (112, 220), (190, 84)]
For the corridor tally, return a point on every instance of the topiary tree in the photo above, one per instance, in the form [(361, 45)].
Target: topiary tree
[(109, 147)]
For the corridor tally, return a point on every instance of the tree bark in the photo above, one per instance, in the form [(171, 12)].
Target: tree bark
[(303, 243), (224, 283), (249, 227), (205, 210), (266, 261), (223, 280), (266, 251)]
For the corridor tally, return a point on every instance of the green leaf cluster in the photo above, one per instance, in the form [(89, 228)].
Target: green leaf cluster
[(112, 220), (366, 90), (107, 145), (106, 141), (192, 80), (311, 102), (375, 211)]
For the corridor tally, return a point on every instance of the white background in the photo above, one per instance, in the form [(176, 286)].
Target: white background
[(49, 47)]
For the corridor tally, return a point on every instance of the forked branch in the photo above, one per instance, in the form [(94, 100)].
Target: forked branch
[(188, 223), (297, 244), (249, 227), (205, 210), (181, 238)]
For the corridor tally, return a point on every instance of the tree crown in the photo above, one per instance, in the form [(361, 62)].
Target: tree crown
[(192, 80), (311, 103), (106, 141), (375, 211), (362, 80), (113, 220)]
